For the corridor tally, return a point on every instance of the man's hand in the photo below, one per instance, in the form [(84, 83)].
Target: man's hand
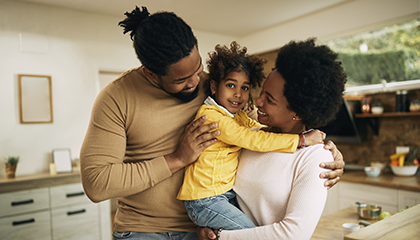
[(192, 142), (206, 233), (337, 166)]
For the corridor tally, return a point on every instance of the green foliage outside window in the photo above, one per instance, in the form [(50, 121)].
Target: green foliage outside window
[(393, 54)]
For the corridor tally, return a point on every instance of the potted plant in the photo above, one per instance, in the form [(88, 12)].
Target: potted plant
[(11, 164)]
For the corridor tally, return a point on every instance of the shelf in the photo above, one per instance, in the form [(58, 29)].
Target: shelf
[(373, 119), (386, 114)]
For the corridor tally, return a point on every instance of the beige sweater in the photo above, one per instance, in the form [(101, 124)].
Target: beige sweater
[(133, 125), (280, 192)]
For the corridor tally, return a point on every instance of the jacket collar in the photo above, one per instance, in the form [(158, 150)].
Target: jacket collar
[(210, 102)]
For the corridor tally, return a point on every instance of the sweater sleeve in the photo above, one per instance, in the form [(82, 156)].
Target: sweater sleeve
[(304, 206), (106, 171), (234, 134)]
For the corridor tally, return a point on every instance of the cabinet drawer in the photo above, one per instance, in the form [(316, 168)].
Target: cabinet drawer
[(23, 201), (373, 194), (67, 194), (34, 226), (80, 221)]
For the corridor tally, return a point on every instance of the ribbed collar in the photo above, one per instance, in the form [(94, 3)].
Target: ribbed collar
[(210, 102)]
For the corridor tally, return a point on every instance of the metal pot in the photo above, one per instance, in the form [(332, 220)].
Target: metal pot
[(368, 211)]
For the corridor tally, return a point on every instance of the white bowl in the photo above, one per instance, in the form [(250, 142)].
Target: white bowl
[(405, 170), (379, 165), (372, 171)]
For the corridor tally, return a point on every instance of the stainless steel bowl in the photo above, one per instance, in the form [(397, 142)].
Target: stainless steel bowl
[(368, 211)]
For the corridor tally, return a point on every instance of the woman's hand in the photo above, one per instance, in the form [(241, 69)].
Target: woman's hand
[(313, 137), (206, 233), (337, 166)]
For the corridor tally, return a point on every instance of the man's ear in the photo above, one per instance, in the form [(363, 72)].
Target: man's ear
[(150, 75)]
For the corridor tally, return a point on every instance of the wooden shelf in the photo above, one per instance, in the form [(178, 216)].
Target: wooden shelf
[(387, 114), (373, 119)]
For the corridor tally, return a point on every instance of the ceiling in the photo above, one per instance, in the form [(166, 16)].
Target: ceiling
[(228, 17)]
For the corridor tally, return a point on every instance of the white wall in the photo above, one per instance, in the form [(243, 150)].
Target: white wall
[(80, 44), (341, 20)]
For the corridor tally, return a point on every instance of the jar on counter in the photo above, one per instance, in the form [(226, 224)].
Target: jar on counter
[(377, 108), (401, 101), (415, 105)]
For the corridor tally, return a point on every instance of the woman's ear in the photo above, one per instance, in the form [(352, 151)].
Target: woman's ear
[(296, 118), (213, 87)]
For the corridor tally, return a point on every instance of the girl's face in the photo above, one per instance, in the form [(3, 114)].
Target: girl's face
[(232, 92), (272, 106)]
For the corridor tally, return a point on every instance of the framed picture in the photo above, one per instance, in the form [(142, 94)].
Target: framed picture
[(62, 160), (35, 99)]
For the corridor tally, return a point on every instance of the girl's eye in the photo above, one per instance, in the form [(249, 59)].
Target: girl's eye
[(230, 85), (245, 88)]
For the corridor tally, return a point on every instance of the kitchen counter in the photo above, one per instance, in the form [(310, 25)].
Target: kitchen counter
[(37, 181), (330, 226), (388, 180), (401, 226)]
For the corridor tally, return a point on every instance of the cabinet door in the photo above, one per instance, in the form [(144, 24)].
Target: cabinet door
[(18, 202), (34, 226), (78, 222), (356, 192), (67, 194), (408, 198)]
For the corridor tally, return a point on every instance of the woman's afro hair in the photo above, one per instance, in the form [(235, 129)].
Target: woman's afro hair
[(314, 81)]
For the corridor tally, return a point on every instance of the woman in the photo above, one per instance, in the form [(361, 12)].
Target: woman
[(282, 192)]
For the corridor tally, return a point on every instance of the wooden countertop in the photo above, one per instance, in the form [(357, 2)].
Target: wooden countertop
[(330, 226), (401, 226), (37, 180), (388, 180)]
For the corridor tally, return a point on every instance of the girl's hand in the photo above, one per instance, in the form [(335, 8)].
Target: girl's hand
[(337, 166), (313, 137), (206, 233)]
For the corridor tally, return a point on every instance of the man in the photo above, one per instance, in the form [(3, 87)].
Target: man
[(138, 139)]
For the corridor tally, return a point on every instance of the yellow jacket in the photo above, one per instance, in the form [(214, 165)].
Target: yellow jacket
[(214, 171)]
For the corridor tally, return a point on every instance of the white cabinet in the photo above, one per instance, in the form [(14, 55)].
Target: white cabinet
[(79, 221), (350, 193), (31, 226), (24, 201), (407, 198), (53, 213), (391, 199)]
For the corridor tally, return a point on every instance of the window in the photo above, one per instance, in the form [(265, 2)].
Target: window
[(385, 59)]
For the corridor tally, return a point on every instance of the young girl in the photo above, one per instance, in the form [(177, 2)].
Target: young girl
[(207, 187)]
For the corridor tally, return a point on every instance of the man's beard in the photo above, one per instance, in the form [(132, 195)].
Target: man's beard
[(186, 97)]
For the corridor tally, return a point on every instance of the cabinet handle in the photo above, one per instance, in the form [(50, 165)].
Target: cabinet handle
[(74, 194), (15, 223), (76, 212), (22, 202)]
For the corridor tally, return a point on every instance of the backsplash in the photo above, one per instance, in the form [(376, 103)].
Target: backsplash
[(393, 132)]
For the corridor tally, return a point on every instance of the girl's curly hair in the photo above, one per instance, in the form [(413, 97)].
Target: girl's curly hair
[(314, 81), (225, 60)]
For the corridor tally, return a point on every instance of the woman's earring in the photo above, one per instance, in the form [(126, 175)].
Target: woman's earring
[(294, 118)]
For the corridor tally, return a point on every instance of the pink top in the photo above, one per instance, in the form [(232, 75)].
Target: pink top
[(280, 192)]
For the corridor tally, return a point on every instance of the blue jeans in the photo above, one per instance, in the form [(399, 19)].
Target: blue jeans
[(155, 236), (217, 212)]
